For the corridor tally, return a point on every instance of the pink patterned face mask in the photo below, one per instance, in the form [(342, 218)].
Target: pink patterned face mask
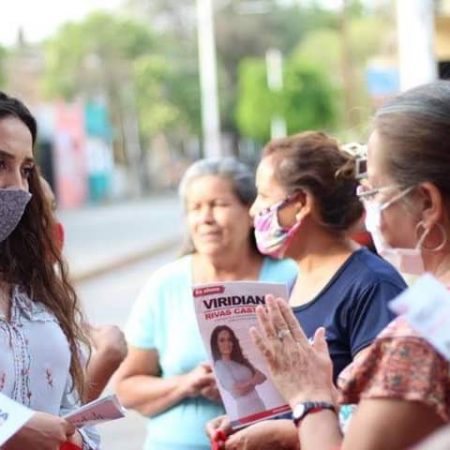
[(271, 238)]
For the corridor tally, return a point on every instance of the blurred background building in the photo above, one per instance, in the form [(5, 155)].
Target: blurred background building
[(117, 93)]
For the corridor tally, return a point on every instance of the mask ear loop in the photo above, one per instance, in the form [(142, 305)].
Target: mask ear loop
[(421, 240), (291, 198), (275, 208), (396, 198)]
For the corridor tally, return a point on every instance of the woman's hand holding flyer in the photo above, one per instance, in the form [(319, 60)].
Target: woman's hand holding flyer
[(225, 313)]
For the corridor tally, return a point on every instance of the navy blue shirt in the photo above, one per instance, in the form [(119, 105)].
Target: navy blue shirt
[(353, 306)]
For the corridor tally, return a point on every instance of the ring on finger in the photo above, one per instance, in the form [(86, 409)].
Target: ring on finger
[(283, 333)]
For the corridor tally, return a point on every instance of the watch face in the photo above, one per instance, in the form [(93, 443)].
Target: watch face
[(298, 411)]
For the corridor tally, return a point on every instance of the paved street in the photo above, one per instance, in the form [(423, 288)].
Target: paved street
[(108, 299), (98, 237), (103, 236)]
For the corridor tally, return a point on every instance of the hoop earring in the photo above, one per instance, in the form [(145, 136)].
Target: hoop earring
[(421, 240)]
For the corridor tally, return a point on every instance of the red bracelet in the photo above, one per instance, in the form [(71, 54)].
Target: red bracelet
[(69, 446)]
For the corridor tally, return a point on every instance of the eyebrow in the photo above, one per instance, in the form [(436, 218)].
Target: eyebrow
[(6, 154), (10, 156)]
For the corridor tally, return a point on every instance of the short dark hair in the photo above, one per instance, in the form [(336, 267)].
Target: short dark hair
[(314, 161)]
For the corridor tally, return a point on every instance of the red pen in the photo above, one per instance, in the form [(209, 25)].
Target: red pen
[(69, 446), (218, 440)]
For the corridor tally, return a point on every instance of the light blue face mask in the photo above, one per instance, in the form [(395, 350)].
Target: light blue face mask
[(12, 206)]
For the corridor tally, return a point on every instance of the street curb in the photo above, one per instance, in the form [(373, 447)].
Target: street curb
[(81, 276)]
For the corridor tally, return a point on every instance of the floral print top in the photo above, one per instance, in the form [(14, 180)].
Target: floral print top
[(35, 361), (400, 365)]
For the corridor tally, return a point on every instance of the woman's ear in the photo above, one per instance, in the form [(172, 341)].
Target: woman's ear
[(303, 205), (433, 204)]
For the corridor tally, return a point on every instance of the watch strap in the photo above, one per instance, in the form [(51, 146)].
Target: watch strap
[(312, 407)]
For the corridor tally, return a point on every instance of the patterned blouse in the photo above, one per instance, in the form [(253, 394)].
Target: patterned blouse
[(400, 365), (35, 361)]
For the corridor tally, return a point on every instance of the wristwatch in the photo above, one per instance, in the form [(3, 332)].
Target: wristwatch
[(301, 410)]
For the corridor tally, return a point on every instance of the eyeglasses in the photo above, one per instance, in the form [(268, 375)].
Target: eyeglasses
[(367, 194)]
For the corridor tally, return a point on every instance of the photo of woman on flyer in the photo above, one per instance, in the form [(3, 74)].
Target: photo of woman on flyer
[(235, 373)]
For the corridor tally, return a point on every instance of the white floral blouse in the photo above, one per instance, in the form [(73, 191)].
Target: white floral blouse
[(35, 361)]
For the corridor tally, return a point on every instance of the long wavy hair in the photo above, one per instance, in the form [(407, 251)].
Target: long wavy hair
[(236, 352), (30, 258)]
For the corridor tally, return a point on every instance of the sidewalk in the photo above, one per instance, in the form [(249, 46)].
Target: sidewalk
[(106, 237)]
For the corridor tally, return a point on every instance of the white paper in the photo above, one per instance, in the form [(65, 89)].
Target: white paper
[(233, 304), (96, 412), (426, 307), (13, 416)]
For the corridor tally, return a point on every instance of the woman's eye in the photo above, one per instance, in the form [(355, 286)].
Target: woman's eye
[(26, 171), (2, 165)]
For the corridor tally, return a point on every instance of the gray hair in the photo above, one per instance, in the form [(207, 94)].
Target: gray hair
[(415, 130), (240, 176)]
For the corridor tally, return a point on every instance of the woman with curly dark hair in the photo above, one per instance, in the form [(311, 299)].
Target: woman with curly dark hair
[(234, 371), (40, 330)]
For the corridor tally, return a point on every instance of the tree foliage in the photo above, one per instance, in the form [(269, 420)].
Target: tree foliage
[(156, 54), (307, 100), (100, 48), (107, 55), (324, 48), (169, 97), (254, 108), (241, 35)]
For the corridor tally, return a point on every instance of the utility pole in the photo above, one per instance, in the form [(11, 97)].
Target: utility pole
[(415, 30), (208, 79), (274, 67), (348, 78)]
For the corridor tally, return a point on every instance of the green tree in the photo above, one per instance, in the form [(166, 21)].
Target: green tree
[(156, 113), (254, 107), (368, 35), (168, 97), (241, 34), (177, 46), (307, 100), (100, 48), (118, 59)]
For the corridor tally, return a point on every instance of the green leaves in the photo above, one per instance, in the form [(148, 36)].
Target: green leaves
[(307, 100), (81, 56), (106, 54)]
